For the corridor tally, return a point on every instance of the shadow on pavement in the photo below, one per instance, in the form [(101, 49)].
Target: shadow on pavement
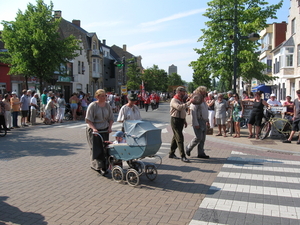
[(20, 146), (10, 214)]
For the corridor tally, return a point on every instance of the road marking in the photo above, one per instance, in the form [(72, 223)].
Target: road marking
[(227, 198)]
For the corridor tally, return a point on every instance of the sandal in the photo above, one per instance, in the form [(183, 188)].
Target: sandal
[(256, 137), (219, 134), (235, 136), (250, 136)]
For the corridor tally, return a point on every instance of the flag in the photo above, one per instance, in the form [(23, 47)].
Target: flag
[(143, 91)]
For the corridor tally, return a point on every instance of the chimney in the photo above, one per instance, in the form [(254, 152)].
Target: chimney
[(57, 14), (104, 42), (76, 22), (124, 48)]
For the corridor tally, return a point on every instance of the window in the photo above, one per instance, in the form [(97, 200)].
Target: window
[(78, 67), (288, 56), (82, 67), (293, 26)]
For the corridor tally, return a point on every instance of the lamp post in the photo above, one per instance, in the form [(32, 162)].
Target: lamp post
[(236, 38)]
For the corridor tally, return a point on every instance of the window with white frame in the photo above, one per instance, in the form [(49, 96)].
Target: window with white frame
[(287, 53)]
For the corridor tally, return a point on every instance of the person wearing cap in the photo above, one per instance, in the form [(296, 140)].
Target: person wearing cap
[(119, 135), (272, 101), (289, 108), (129, 111), (99, 118), (15, 105), (178, 113)]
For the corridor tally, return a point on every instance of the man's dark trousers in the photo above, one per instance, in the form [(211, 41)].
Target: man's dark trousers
[(177, 125)]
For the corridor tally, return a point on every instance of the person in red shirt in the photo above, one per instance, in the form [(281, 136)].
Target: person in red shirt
[(289, 108), (157, 99)]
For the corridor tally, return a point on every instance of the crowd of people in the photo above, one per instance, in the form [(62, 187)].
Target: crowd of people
[(212, 109)]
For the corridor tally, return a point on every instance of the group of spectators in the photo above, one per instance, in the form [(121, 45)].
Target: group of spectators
[(212, 108), (12, 105), (50, 107)]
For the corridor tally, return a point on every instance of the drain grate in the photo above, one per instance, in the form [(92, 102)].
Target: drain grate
[(284, 153)]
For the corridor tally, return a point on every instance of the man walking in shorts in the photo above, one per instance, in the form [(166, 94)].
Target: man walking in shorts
[(24, 105)]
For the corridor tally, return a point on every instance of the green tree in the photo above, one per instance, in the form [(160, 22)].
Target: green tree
[(175, 79), (155, 79), (34, 44), (134, 75), (228, 18)]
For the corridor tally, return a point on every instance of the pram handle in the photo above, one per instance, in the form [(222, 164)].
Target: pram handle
[(101, 132)]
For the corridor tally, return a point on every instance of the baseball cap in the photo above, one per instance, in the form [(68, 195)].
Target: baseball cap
[(180, 88), (272, 95), (118, 134), (288, 96), (229, 92), (13, 93)]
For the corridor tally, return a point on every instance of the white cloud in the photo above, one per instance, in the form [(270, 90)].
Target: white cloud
[(173, 17)]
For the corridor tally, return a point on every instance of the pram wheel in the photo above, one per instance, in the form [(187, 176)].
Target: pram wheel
[(132, 177), (151, 172), (117, 174)]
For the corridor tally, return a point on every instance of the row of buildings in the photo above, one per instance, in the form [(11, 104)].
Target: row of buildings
[(280, 50), (93, 68)]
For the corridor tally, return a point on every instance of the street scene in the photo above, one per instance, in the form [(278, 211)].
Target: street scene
[(46, 179), (149, 112)]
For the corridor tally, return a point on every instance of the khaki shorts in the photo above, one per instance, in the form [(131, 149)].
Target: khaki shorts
[(42, 109), (221, 121)]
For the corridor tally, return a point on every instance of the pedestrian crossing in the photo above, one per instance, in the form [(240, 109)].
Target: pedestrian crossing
[(252, 190)]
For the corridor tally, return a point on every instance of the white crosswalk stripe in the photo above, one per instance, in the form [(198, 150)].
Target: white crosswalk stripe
[(271, 186)]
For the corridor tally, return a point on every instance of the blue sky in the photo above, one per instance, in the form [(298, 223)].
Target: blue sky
[(163, 32)]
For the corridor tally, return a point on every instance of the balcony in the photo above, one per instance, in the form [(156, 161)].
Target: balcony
[(96, 52), (96, 74)]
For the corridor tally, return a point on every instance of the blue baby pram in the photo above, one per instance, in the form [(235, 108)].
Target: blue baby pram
[(143, 140)]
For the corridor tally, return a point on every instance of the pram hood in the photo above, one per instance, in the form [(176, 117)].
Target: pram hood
[(142, 140), (141, 133)]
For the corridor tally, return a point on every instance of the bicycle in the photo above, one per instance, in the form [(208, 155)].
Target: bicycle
[(283, 126)]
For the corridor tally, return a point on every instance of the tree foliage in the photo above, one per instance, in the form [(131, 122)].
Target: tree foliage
[(134, 76), (174, 79), (34, 44), (234, 18), (155, 79)]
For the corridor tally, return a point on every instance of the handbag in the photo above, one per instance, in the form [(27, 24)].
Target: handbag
[(209, 131)]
